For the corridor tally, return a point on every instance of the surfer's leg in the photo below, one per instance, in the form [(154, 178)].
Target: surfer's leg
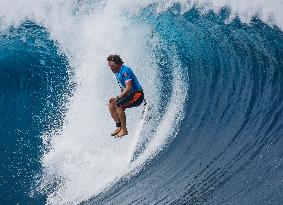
[(114, 115), (122, 117), (113, 112)]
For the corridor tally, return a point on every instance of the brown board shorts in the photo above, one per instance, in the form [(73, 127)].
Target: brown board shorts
[(132, 99)]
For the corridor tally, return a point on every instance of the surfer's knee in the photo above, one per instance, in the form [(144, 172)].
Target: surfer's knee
[(119, 109), (111, 106)]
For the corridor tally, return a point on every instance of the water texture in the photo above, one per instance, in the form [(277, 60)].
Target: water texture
[(212, 129)]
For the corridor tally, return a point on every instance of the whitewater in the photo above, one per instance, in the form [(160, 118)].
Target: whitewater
[(212, 76)]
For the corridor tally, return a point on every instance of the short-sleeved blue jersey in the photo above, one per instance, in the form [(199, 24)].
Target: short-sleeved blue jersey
[(125, 73)]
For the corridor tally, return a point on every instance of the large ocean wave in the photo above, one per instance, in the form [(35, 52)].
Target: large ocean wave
[(211, 132)]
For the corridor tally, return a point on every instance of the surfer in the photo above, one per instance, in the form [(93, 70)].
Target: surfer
[(131, 94)]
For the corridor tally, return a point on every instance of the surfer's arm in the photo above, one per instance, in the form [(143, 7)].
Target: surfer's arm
[(129, 86)]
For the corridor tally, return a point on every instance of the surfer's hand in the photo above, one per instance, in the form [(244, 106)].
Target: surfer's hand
[(113, 100)]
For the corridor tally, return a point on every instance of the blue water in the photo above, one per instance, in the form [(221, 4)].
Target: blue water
[(228, 148), (34, 82)]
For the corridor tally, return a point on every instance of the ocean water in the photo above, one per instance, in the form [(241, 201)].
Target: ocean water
[(212, 129)]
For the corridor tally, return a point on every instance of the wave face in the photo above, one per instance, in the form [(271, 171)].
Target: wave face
[(34, 80), (229, 146), (211, 132)]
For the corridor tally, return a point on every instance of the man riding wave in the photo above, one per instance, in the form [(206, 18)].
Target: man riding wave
[(131, 94)]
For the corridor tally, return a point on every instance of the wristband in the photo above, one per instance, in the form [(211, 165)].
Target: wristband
[(118, 98)]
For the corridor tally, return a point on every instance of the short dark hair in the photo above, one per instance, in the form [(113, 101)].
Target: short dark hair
[(116, 59)]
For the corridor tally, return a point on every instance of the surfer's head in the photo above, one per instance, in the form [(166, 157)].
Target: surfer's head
[(116, 59), (114, 62)]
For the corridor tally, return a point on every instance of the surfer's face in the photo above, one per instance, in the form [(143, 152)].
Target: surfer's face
[(113, 66)]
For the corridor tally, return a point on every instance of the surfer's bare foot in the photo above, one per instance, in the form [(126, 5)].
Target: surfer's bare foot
[(122, 133), (116, 131)]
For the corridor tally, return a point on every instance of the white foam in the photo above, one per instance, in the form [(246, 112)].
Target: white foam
[(269, 12), (82, 155), (168, 127)]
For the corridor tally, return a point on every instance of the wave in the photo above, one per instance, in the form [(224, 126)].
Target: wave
[(211, 75), (33, 96)]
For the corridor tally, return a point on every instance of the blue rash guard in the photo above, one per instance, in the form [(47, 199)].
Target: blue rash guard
[(125, 74)]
